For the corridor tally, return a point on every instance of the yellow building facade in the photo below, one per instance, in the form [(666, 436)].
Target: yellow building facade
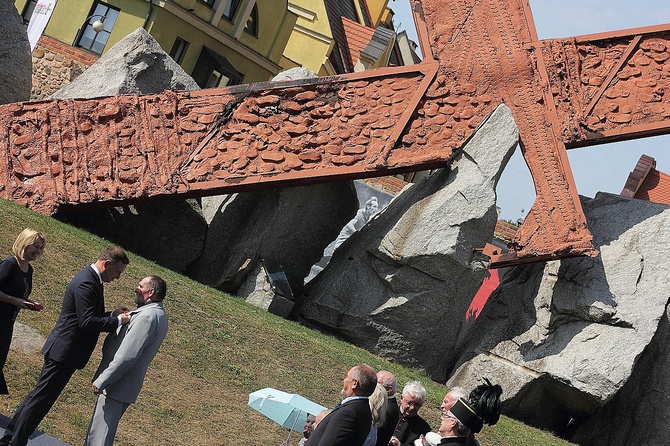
[(222, 42), (311, 40)]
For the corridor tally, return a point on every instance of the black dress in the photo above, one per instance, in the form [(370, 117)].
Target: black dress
[(15, 283)]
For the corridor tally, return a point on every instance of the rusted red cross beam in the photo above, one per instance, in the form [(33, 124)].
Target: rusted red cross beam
[(478, 54)]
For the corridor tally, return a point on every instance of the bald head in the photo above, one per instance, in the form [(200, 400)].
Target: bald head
[(451, 397), (388, 381)]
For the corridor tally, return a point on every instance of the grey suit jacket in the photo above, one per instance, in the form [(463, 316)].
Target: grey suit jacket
[(127, 353)]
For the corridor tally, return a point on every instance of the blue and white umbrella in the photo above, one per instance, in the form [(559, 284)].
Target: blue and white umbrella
[(286, 409)]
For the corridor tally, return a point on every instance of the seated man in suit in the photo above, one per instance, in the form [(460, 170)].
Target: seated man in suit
[(411, 426), (348, 424)]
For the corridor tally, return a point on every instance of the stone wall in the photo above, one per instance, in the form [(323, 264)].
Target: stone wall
[(56, 64)]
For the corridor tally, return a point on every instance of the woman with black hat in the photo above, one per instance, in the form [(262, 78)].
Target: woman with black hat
[(467, 417)]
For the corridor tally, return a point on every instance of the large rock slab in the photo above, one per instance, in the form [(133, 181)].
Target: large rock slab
[(290, 226), (400, 286), (563, 338), (171, 233), (136, 64), (638, 413), (15, 60)]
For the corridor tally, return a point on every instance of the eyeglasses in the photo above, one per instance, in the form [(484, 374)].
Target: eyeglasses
[(445, 415), (412, 404)]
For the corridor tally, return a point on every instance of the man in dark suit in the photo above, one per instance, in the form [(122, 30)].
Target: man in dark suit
[(385, 431), (71, 342), (411, 426), (348, 424)]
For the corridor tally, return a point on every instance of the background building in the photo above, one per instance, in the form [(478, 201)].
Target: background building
[(218, 42)]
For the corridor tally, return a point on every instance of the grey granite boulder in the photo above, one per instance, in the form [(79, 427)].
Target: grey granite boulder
[(136, 64), (565, 337), (294, 74), (401, 285), (15, 60), (638, 413), (290, 226), (171, 232)]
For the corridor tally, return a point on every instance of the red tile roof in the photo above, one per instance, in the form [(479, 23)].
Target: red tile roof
[(505, 231), (637, 176), (655, 188), (647, 183), (357, 37), (389, 184)]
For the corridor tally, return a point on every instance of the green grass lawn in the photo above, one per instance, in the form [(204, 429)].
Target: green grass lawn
[(218, 350)]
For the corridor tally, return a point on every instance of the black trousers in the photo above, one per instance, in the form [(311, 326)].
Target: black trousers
[(6, 331), (53, 379)]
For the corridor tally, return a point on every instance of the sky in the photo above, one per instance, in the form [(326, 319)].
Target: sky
[(602, 168)]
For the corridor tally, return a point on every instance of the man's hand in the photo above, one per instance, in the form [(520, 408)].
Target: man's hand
[(120, 310), (125, 318), (394, 441), (95, 389)]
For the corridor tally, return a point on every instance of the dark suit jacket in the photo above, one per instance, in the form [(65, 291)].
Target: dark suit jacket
[(81, 320), (385, 431), (347, 425), (410, 429)]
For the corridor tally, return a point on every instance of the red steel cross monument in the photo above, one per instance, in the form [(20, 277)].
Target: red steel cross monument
[(563, 93)]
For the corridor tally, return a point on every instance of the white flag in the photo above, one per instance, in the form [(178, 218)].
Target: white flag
[(39, 20)]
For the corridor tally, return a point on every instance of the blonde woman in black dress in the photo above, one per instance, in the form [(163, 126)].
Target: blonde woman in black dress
[(16, 283)]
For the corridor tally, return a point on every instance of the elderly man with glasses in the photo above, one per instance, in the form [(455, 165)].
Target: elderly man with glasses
[(452, 431), (410, 426)]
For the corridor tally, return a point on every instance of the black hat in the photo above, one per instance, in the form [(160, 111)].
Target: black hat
[(466, 415)]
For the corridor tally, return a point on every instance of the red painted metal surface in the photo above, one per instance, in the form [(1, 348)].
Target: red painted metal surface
[(375, 123), (611, 86)]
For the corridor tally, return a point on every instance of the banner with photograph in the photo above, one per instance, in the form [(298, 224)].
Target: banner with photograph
[(39, 19)]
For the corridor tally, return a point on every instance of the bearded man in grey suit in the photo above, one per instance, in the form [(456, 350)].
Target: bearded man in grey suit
[(126, 355)]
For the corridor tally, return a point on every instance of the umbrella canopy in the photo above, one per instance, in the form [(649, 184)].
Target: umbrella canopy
[(287, 409)]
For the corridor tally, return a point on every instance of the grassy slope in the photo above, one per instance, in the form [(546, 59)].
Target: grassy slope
[(218, 350)]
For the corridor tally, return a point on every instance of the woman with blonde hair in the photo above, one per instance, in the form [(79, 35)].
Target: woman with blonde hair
[(16, 283), (378, 402)]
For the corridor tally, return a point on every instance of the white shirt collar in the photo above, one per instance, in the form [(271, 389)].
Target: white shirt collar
[(96, 272), (354, 398)]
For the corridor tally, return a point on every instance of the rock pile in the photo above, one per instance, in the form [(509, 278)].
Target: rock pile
[(400, 286)]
